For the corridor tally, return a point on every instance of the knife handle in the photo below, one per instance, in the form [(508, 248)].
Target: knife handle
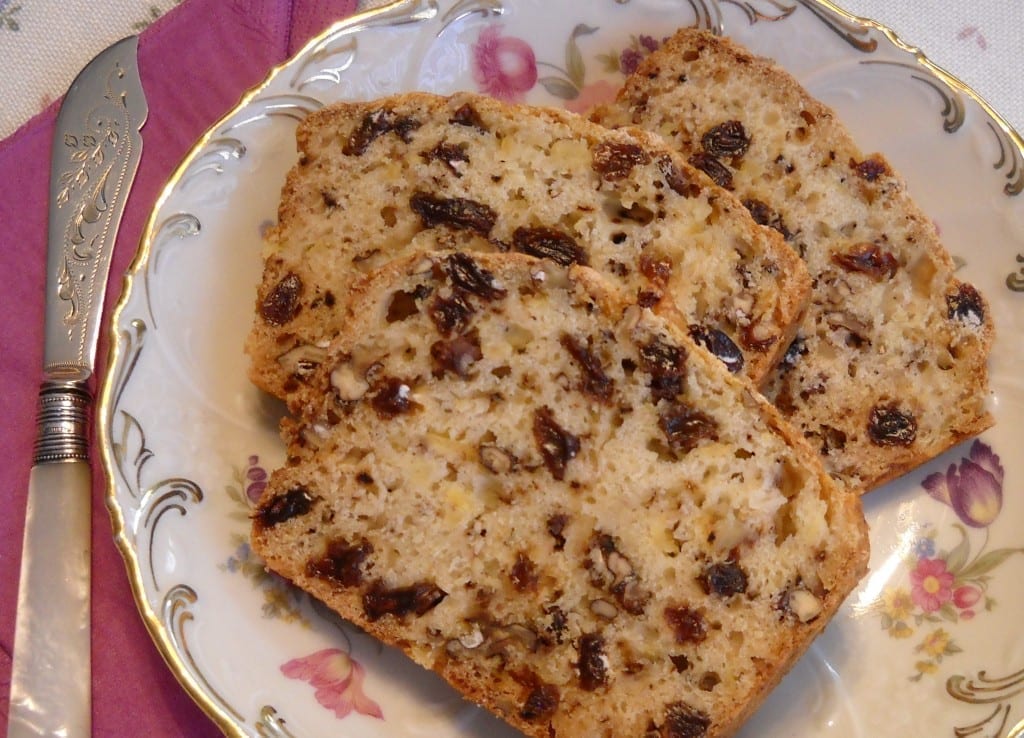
[(50, 678), (62, 432)]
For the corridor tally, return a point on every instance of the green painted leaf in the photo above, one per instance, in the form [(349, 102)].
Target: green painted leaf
[(886, 621), (573, 58), (948, 612), (956, 558), (953, 648), (610, 61), (987, 562), (560, 88)]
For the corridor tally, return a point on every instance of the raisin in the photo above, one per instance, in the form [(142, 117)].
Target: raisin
[(418, 598), (391, 397), (726, 139), (890, 426), (293, 503), (719, 344), (666, 363), (687, 625), (680, 662), (468, 116), (614, 160), (449, 154), (685, 427), (648, 298), (870, 169), (549, 243), (341, 562), (282, 304), (678, 182), (792, 356), (683, 721), (450, 313), (524, 573), (966, 305), (470, 276), (541, 703), (658, 271), (330, 201), (712, 167), (374, 125), (557, 446), (764, 215), (457, 212), (457, 355), (868, 259), (556, 527), (708, 681), (595, 382), (725, 579), (593, 672)]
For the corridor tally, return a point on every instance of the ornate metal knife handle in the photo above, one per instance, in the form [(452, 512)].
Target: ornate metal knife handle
[(62, 422)]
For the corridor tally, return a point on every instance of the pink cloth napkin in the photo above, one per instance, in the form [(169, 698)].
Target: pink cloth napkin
[(195, 64)]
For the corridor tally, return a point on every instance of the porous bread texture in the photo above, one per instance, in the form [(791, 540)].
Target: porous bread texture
[(889, 367), (372, 176), (557, 502)]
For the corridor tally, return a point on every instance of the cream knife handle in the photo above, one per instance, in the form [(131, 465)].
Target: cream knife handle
[(51, 676), (50, 680)]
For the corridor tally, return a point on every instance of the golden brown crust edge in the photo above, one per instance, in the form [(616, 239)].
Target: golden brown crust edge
[(794, 282), (872, 469)]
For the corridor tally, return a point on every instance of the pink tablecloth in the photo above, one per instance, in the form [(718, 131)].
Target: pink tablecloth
[(195, 63)]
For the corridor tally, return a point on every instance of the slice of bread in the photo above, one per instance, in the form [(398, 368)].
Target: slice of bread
[(371, 176), (889, 368), (559, 503)]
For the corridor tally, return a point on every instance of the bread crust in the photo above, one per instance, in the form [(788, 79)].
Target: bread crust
[(623, 570), (890, 365), (373, 178)]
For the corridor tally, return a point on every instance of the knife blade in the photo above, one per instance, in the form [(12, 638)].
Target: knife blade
[(95, 155)]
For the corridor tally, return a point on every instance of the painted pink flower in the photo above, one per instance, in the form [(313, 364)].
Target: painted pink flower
[(931, 584), (503, 66), (337, 679), (973, 488), (600, 92), (966, 596)]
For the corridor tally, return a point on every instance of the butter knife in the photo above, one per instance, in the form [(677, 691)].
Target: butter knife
[(95, 154)]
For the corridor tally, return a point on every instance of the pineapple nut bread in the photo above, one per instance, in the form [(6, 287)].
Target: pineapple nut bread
[(889, 367), (373, 175), (482, 422)]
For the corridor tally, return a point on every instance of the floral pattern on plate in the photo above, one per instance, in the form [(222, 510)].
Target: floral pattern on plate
[(203, 593), (946, 587)]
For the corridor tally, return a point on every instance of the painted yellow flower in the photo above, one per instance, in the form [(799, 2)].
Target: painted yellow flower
[(926, 667), (897, 603), (935, 643)]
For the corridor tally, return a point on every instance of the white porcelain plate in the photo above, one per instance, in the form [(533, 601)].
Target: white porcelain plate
[(930, 643)]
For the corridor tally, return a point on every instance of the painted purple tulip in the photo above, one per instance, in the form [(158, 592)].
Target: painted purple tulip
[(973, 488), (504, 67)]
